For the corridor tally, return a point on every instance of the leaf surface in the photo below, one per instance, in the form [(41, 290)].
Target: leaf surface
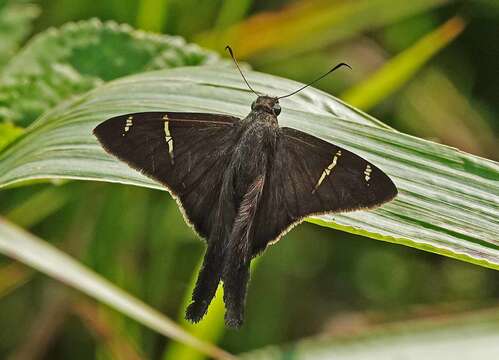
[(448, 201)]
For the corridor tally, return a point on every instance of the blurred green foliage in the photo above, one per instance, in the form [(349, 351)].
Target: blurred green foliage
[(315, 277)]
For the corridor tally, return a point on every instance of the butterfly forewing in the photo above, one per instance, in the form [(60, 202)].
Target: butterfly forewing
[(311, 176), (186, 152)]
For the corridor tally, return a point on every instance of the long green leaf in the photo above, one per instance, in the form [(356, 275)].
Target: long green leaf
[(152, 15), (448, 201), (36, 253)]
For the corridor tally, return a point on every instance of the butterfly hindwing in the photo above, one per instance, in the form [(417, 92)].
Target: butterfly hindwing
[(311, 176), (186, 152)]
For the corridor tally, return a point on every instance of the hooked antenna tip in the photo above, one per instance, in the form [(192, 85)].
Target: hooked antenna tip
[(338, 66)]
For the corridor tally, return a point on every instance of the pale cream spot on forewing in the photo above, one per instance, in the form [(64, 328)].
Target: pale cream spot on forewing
[(328, 170), (367, 172), (128, 123), (168, 137), (170, 148), (167, 130)]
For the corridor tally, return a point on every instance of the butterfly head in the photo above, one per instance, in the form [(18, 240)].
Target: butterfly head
[(267, 104)]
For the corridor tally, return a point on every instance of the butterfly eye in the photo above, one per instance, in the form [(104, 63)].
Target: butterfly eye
[(253, 104), (276, 109)]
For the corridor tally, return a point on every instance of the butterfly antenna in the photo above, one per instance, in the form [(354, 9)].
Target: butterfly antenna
[(319, 78), (238, 68)]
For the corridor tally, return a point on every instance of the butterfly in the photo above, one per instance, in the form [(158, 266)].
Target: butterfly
[(242, 183)]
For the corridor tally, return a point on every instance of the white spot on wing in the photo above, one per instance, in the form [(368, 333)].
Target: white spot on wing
[(168, 137), (327, 170), (167, 130), (128, 124), (367, 173)]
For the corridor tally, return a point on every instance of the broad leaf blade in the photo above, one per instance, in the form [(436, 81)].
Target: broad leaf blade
[(448, 202)]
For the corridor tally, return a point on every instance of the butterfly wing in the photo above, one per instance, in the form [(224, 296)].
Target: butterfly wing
[(311, 176), (186, 152)]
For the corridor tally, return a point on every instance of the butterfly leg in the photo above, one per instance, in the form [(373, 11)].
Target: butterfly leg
[(239, 250)]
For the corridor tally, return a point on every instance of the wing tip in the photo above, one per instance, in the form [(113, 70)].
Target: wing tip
[(96, 132), (388, 193), (100, 130)]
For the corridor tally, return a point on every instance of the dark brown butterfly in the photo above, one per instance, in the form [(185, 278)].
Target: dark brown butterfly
[(242, 183)]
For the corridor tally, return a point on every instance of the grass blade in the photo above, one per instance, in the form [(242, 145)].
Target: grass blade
[(312, 23), (231, 12), (25, 247), (397, 71), (152, 15)]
